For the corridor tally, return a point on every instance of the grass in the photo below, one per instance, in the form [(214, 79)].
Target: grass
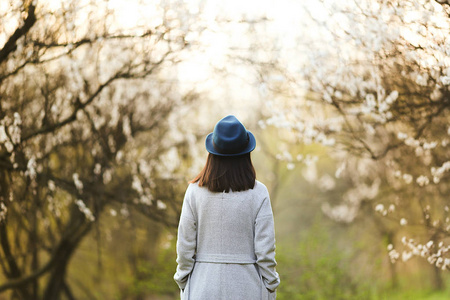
[(415, 295)]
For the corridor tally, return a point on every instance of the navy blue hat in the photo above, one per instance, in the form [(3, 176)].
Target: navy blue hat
[(230, 138)]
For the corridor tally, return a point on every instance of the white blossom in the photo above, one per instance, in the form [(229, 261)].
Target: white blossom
[(406, 255), (146, 199), (436, 258), (370, 101), (160, 205), (51, 185), (326, 182), (422, 79), (403, 222), (14, 130), (97, 169), (339, 170), (85, 210), (285, 156), (31, 168), (412, 142), (439, 172), (391, 208), (9, 146), (78, 184), (3, 135), (379, 208), (127, 127), (262, 124), (310, 172), (340, 213), (137, 185), (445, 80), (422, 180), (407, 178), (144, 168), (393, 255), (392, 97), (419, 151), (3, 211), (290, 166), (430, 145), (124, 211), (54, 206), (107, 176)]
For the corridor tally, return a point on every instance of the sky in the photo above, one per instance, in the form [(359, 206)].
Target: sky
[(236, 93)]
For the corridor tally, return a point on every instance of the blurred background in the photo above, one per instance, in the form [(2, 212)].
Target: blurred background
[(105, 105)]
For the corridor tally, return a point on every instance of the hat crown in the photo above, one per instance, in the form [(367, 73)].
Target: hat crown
[(230, 135), (230, 138)]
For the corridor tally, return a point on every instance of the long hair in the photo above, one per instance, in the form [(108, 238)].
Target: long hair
[(225, 173)]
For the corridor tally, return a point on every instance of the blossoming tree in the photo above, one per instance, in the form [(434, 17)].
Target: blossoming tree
[(374, 88), (87, 110)]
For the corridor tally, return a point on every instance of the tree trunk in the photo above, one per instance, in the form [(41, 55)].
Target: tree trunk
[(392, 266), (13, 271), (394, 275), (68, 292), (438, 283), (56, 283), (34, 248)]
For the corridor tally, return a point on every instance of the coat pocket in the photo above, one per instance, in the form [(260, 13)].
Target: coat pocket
[(268, 295), (265, 293), (272, 295), (184, 294)]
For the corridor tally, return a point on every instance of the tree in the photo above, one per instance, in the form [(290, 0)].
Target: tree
[(87, 110), (375, 91)]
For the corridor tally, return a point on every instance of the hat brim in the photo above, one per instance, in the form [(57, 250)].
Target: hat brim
[(250, 147)]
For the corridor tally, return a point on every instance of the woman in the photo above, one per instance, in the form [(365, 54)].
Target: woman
[(226, 238)]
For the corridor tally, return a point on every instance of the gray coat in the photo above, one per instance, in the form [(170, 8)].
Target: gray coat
[(226, 245)]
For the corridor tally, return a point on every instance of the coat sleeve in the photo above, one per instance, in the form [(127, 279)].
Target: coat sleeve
[(265, 245), (186, 243)]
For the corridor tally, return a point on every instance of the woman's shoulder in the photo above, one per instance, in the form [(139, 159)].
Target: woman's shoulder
[(260, 187), (195, 188), (192, 186)]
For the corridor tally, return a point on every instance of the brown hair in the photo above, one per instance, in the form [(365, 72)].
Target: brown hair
[(225, 173)]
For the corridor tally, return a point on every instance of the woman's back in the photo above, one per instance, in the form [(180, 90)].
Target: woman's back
[(226, 236), (234, 240), (226, 223)]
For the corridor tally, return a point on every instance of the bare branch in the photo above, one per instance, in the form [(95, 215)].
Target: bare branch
[(10, 45)]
